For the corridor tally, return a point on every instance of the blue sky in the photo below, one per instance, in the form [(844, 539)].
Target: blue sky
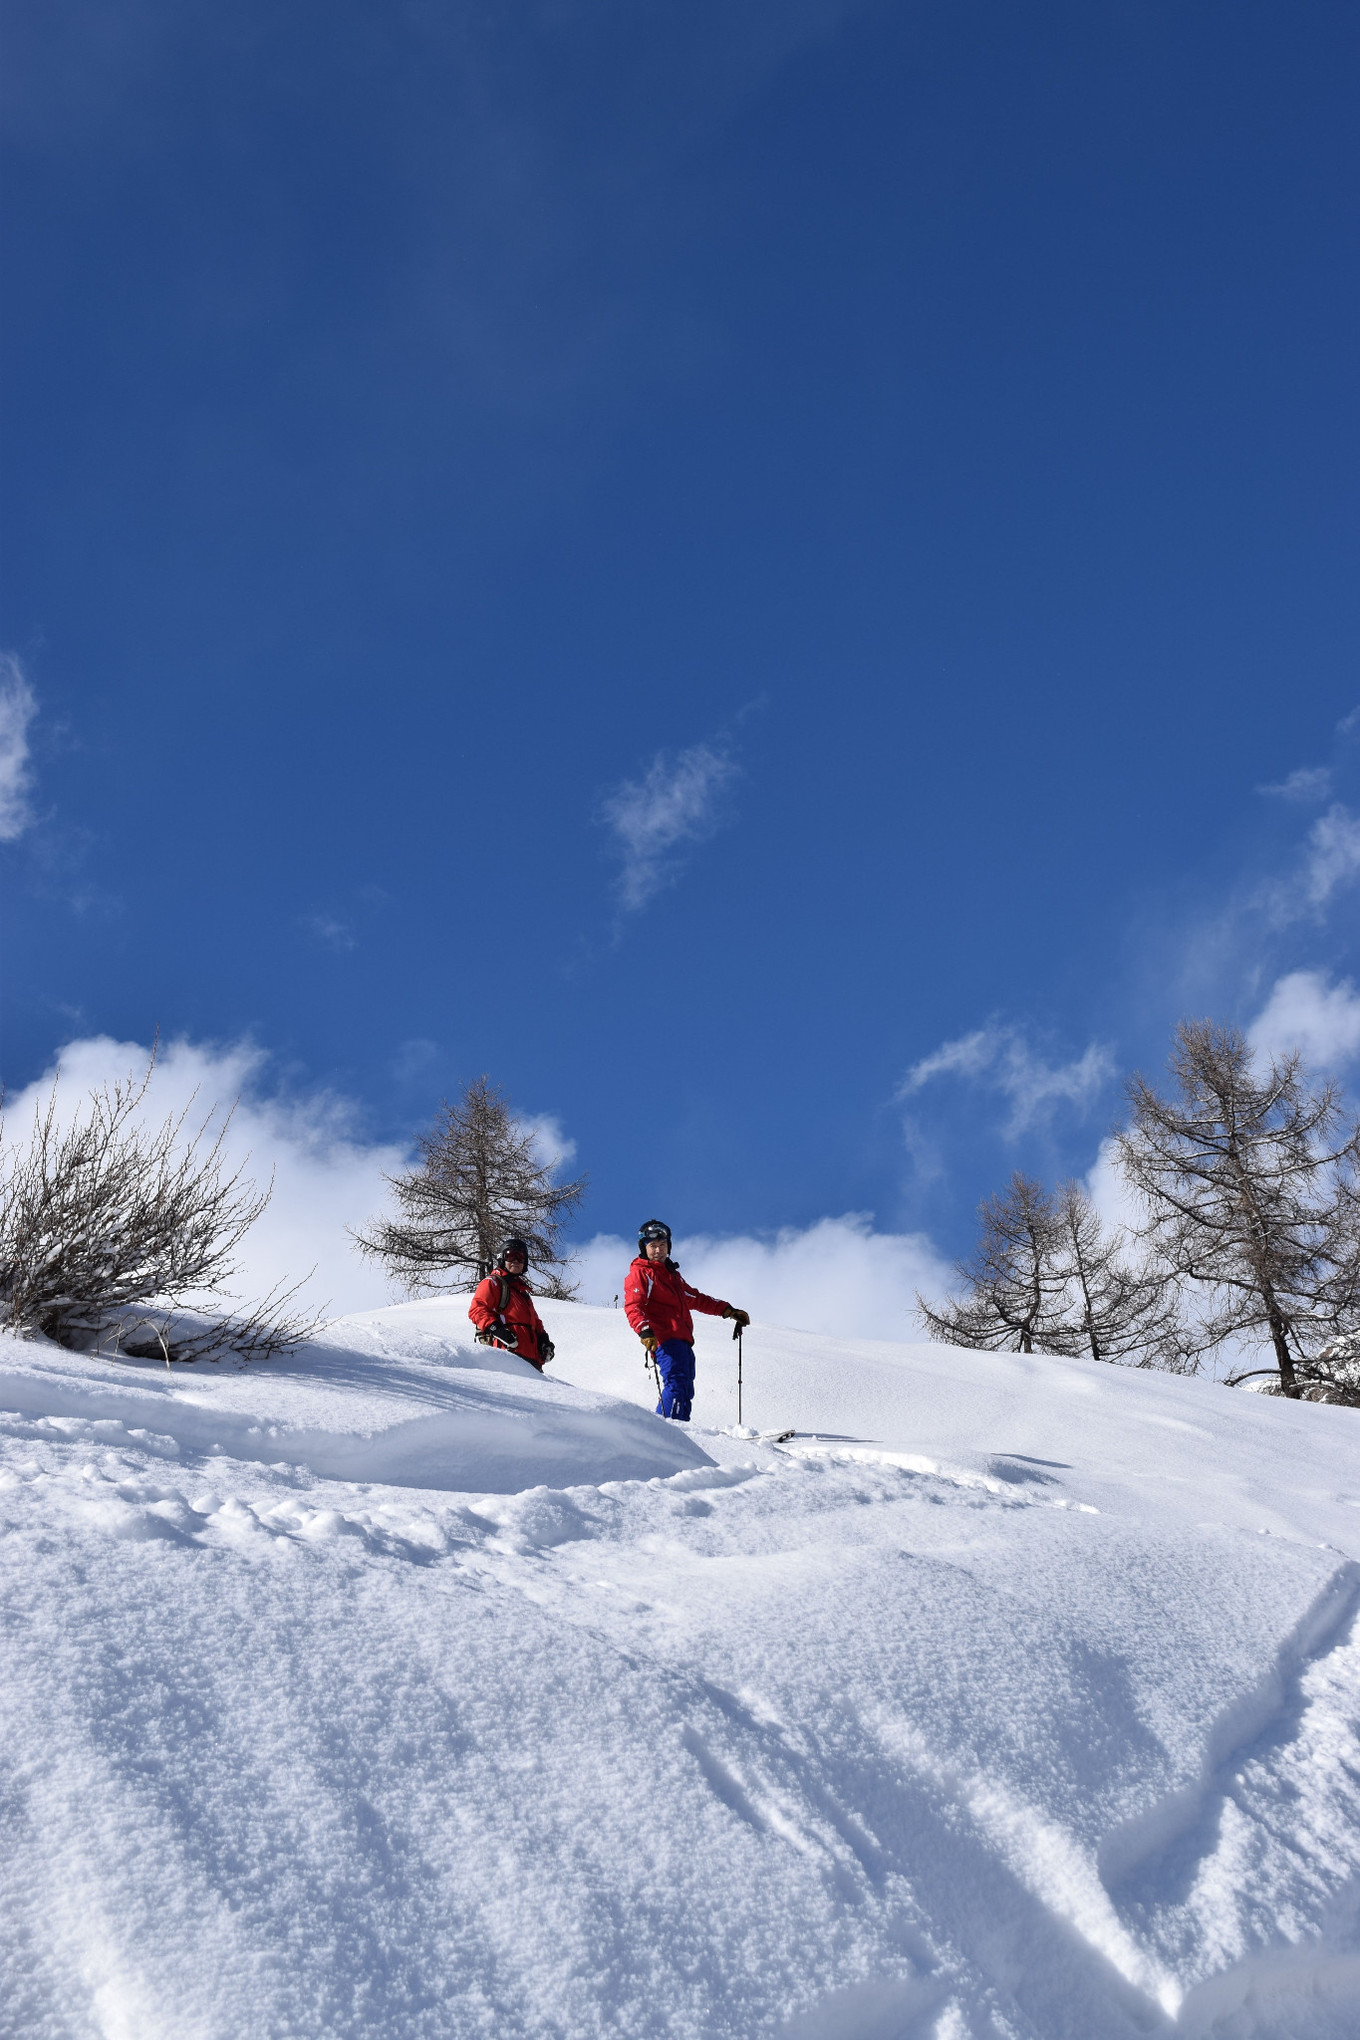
[(741, 568)]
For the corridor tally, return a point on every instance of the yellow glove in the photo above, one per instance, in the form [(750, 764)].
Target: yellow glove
[(649, 1341)]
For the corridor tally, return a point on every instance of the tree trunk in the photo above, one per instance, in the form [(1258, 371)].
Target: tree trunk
[(1088, 1315), (1279, 1338)]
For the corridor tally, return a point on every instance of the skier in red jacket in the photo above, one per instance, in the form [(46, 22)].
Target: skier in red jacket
[(658, 1301), (503, 1310)]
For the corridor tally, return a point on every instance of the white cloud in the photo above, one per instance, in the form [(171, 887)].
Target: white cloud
[(1333, 853), (335, 934), (969, 1056), (1108, 1190), (1307, 783), (653, 818), (1305, 1011), (836, 1275), (1349, 725), (1331, 861), (927, 1156), (553, 1149), (1000, 1059), (18, 706), (324, 1177)]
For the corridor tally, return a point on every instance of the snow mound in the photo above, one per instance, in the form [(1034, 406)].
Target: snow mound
[(374, 1694), (402, 1396)]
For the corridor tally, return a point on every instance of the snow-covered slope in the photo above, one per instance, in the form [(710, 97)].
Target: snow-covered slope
[(396, 1691)]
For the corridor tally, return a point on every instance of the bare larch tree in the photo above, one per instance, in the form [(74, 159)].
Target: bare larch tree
[(1013, 1281), (1249, 1181), (111, 1230), (481, 1177), (1046, 1276), (1115, 1307)]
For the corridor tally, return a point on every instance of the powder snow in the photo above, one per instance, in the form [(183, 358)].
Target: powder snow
[(394, 1690)]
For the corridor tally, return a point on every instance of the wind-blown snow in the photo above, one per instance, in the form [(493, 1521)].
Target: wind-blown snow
[(397, 1691)]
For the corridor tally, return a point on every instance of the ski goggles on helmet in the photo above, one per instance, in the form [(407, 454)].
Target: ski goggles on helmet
[(653, 1230)]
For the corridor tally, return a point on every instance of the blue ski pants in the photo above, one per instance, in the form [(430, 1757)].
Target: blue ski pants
[(675, 1364)]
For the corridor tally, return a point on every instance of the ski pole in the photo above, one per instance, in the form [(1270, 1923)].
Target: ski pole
[(739, 1377)]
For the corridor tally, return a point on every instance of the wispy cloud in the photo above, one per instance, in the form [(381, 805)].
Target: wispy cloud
[(1000, 1059), (1306, 784), (1307, 1012), (415, 1060), (1330, 861), (1333, 853), (675, 804), (18, 706), (503, 280), (335, 934)]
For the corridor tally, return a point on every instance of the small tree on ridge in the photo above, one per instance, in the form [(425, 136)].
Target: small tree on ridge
[(1045, 1276), (479, 1179), (1013, 1281)]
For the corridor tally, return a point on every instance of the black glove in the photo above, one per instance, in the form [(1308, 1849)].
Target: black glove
[(546, 1349), (743, 1318), (499, 1334)]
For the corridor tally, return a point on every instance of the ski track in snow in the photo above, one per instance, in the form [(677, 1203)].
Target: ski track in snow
[(881, 1734)]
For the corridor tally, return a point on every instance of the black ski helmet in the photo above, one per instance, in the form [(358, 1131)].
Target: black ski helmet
[(654, 1229), (514, 1245)]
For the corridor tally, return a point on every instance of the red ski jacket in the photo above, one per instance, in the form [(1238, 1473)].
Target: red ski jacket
[(657, 1299), (507, 1296)]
